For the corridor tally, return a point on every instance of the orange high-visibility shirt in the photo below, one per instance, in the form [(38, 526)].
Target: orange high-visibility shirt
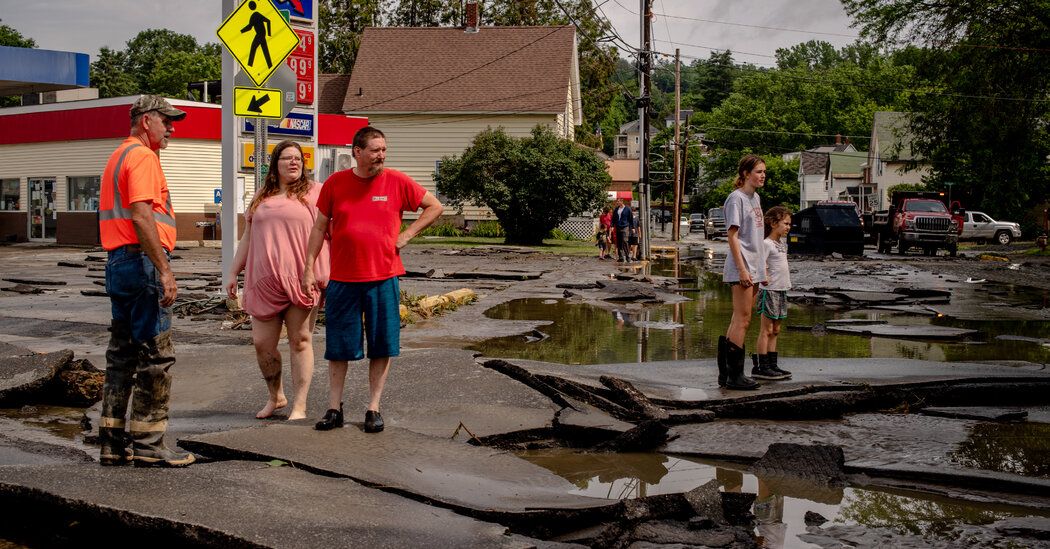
[(133, 174)]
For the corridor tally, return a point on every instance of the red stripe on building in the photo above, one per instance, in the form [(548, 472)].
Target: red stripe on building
[(99, 123), (338, 129)]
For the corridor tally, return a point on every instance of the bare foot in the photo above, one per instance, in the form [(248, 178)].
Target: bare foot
[(297, 414), (270, 407)]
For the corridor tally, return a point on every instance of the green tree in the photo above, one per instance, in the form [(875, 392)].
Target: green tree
[(153, 47), (799, 107), (108, 74), (532, 184), (11, 37), (981, 123), (340, 24), (427, 13), (171, 74), (719, 173)]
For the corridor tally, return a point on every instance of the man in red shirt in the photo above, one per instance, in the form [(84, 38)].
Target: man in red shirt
[(361, 209)]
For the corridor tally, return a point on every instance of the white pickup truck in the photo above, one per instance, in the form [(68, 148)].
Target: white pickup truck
[(979, 226)]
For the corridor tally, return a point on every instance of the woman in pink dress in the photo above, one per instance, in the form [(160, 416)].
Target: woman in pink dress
[(272, 253)]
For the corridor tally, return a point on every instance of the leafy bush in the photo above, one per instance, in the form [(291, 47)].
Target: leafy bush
[(444, 229), (489, 229), (558, 234)]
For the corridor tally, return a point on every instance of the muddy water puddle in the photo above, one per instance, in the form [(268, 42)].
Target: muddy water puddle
[(781, 505), (584, 333), (1018, 448)]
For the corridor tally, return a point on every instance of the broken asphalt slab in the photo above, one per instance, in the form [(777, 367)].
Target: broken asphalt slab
[(227, 504), (688, 382), (466, 478), (903, 332), (909, 448)]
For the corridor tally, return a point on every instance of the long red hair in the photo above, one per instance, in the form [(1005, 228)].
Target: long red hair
[(272, 185)]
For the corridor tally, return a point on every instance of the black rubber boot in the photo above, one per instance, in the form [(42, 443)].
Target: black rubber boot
[(761, 369), (149, 406), (735, 366), (772, 361), (721, 361), (121, 360)]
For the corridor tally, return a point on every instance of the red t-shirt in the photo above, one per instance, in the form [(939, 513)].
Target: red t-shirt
[(364, 219)]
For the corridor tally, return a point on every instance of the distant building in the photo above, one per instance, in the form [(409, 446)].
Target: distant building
[(431, 90), (814, 172), (629, 140), (891, 154)]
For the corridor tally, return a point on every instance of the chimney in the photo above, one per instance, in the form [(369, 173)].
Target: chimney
[(472, 16), (838, 138)]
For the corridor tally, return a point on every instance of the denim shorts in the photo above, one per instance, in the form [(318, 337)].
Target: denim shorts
[(377, 304), (135, 292)]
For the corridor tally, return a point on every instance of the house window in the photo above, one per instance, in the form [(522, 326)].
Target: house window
[(9, 196), (83, 193)]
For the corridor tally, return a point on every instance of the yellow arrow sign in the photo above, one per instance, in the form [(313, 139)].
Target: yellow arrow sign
[(258, 38), (257, 102)]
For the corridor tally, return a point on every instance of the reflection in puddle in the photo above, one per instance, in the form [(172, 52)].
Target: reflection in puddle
[(781, 503), (1019, 448), (62, 422), (610, 333)]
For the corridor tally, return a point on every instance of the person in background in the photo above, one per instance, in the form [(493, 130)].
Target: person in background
[(137, 229), (772, 297), (272, 253), (604, 233), (744, 268), (361, 209), (622, 221)]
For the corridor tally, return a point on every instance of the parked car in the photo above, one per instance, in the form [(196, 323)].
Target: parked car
[(696, 223), (715, 224), (825, 228), (683, 224), (980, 226)]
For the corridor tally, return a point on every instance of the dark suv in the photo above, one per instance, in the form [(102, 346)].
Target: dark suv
[(715, 224)]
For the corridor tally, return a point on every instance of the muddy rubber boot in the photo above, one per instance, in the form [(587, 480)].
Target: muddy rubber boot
[(735, 366), (761, 369), (149, 407), (121, 359), (776, 368), (721, 361)]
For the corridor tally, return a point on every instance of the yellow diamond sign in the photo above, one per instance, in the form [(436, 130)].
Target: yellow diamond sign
[(258, 37)]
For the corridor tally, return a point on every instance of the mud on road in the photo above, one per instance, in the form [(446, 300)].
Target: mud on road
[(570, 429)]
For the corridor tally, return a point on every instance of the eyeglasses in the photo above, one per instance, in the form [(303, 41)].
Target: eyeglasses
[(291, 159)]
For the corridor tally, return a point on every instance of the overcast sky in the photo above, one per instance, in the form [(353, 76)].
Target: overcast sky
[(87, 25)]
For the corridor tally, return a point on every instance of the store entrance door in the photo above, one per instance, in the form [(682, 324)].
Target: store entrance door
[(42, 216)]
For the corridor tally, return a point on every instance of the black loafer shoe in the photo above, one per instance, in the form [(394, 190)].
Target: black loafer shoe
[(333, 419), (373, 422)]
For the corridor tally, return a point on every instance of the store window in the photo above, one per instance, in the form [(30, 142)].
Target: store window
[(9, 199), (83, 193)]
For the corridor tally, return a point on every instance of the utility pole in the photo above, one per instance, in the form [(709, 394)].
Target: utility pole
[(645, 60), (685, 160), (676, 231)]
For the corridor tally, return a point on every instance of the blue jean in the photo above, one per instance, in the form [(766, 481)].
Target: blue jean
[(140, 353), (134, 292)]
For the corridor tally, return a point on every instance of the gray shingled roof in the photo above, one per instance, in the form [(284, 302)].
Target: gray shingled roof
[(498, 69)]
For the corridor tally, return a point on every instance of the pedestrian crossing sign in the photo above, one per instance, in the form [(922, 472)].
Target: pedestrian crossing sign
[(258, 37)]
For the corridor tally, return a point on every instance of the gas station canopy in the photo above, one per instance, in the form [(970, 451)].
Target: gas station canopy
[(27, 70)]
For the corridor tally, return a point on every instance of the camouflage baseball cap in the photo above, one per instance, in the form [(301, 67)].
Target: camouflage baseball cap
[(148, 103)]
